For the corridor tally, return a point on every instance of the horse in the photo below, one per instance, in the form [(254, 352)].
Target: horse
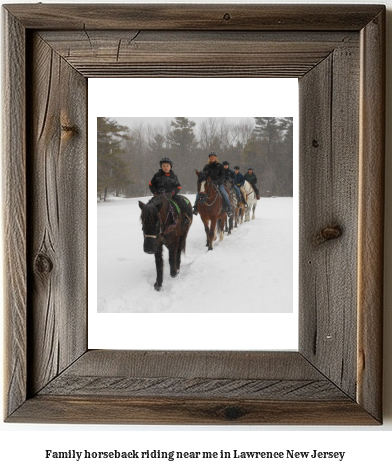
[(251, 200), (210, 207), (163, 224), (238, 207)]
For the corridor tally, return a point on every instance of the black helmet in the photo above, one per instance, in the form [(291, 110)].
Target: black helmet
[(166, 160), (213, 154), (236, 167), (225, 163)]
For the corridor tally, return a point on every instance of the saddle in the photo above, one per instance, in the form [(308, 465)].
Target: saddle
[(182, 215)]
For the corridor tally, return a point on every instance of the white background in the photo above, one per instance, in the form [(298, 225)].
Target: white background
[(248, 98), (367, 449)]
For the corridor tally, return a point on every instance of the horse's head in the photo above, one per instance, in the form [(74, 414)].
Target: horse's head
[(151, 225), (202, 186)]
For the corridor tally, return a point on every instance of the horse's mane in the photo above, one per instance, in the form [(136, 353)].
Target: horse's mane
[(151, 209), (202, 177)]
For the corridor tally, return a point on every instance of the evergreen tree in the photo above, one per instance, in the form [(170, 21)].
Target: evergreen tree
[(182, 147), (112, 170)]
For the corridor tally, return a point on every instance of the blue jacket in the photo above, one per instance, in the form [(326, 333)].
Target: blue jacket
[(239, 179)]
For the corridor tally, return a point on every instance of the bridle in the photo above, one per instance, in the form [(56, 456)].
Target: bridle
[(161, 226), (218, 195)]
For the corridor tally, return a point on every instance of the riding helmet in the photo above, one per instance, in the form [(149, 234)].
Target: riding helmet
[(225, 163), (166, 160), (212, 154)]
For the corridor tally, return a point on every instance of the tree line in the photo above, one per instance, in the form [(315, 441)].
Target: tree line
[(128, 157)]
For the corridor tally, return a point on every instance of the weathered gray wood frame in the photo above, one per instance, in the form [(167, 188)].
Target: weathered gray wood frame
[(337, 52)]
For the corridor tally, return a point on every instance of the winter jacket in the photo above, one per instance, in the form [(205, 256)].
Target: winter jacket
[(164, 182), (239, 179), (229, 175), (216, 172), (251, 178)]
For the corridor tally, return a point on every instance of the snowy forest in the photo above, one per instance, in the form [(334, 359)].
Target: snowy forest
[(128, 157)]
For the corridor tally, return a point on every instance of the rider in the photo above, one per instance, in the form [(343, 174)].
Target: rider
[(166, 181), (216, 172), (230, 177), (239, 182), (252, 179)]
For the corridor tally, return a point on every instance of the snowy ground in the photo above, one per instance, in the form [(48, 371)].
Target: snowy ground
[(250, 271)]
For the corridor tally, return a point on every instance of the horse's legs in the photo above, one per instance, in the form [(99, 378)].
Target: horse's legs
[(222, 234), (220, 227), (179, 250), (173, 260), (254, 208), (159, 266), (228, 224), (211, 234), (206, 228)]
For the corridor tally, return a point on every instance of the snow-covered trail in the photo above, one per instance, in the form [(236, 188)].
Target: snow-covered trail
[(249, 271)]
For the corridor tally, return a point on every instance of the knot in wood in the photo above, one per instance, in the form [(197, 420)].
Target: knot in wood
[(232, 412), (315, 143), (69, 128), (227, 16), (43, 264), (328, 233)]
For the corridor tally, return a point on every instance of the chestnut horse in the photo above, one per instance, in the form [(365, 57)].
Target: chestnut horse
[(163, 224), (210, 207)]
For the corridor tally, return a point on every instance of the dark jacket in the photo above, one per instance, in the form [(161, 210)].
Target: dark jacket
[(251, 178), (229, 175), (215, 171), (239, 179), (164, 182)]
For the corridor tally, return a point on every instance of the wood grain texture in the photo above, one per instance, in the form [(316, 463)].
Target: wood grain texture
[(58, 215), (208, 364), (336, 376), (14, 207), (193, 17), (167, 53), (329, 167), (103, 409), (206, 374), (371, 216)]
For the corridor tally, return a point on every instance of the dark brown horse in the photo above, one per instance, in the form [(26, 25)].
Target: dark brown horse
[(163, 224), (211, 208)]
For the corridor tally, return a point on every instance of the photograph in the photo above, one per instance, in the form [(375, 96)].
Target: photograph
[(183, 187), (195, 214)]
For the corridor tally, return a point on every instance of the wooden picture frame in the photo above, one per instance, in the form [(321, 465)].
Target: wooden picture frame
[(338, 54)]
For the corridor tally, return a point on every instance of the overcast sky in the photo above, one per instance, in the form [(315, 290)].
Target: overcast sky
[(132, 121)]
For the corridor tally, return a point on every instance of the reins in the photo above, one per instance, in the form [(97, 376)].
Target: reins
[(162, 231), (218, 196)]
